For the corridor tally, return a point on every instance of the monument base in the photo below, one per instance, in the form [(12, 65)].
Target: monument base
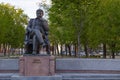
[(36, 65)]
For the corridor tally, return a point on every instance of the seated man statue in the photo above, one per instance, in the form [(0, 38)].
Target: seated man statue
[(37, 34)]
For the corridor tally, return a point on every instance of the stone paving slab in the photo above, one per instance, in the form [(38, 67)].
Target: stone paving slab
[(55, 77)]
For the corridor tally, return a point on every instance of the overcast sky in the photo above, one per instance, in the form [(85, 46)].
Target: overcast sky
[(29, 6)]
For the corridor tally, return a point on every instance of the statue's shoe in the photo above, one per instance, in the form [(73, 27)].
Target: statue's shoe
[(44, 45), (34, 52), (41, 43)]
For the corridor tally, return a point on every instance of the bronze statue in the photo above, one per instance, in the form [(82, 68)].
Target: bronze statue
[(37, 34)]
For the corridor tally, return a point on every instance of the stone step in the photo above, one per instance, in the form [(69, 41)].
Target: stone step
[(86, 76), (92, 79), (18, 77), (5, 78)]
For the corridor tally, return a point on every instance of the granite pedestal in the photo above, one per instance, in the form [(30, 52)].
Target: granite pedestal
[(37, 65)]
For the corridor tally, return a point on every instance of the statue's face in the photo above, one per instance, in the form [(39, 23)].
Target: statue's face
[(39, 14)]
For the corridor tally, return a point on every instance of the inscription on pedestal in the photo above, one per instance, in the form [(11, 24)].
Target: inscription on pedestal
[(36, 61), (37, 65)]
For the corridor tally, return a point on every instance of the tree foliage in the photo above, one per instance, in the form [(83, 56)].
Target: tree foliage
[(88, 22), (12, 25)]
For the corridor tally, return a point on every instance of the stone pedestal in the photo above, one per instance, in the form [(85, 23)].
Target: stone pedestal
[(37, 65)]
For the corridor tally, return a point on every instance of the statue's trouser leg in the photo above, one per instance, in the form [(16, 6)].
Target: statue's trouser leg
[(47, 45), (37, 47), (48, 49), (39, 36), (34, 45)]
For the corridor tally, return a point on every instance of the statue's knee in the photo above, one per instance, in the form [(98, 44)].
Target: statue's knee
[(35, 30)]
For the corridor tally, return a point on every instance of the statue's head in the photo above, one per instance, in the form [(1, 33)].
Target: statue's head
[(39, 13)]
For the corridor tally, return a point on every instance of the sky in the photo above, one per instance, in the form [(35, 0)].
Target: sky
[(29, 6)]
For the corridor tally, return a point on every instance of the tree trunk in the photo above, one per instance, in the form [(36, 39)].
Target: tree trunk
[(86, 50), (4, 49), (75, 50), (78, 43), (113, 51), (61, 50), (0, 48), (69, 48), (9, 50), (104, 50), (57, 49), (52, 49), (66, 49)]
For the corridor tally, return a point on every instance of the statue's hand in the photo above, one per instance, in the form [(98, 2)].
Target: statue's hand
[(46, 33), (31, 32), (43, 36)]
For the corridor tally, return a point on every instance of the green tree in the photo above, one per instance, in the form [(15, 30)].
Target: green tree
[(104, 28), (86, 22), (69, 17), (12, 25)]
